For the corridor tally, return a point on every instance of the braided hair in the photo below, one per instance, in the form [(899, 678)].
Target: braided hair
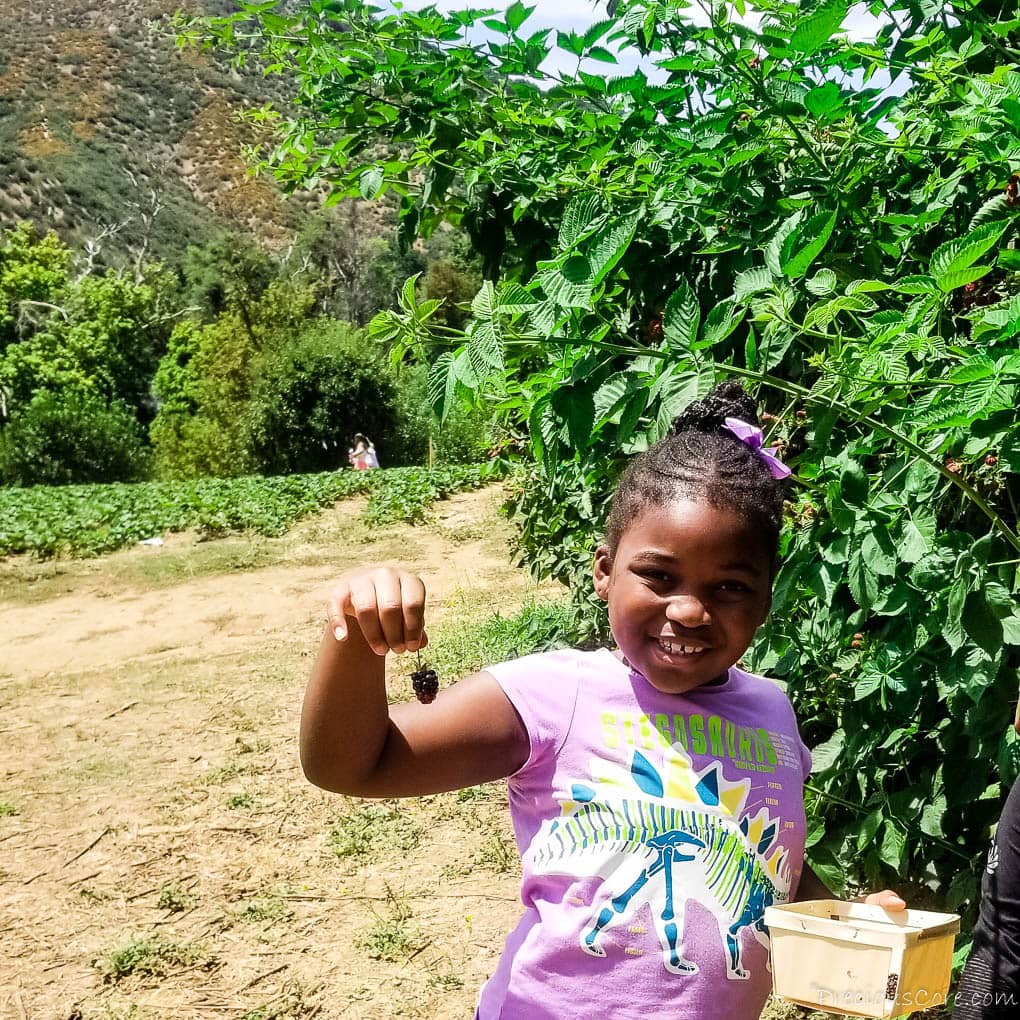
[(699, 459)]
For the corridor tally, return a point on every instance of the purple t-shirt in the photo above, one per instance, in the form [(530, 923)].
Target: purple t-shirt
[(654, 829)]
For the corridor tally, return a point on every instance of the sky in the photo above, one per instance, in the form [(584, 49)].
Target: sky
[(577, 15)]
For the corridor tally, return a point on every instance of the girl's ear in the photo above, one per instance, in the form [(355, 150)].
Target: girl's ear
[(601, 571)]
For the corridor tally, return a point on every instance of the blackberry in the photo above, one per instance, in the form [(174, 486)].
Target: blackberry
[(425, 681)]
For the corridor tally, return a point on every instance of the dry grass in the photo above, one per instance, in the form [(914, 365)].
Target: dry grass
[(165, 857)]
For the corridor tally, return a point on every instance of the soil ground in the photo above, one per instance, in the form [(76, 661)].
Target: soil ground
[(151, 789), (161, 855)]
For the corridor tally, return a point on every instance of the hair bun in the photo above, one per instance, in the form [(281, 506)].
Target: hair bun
[(725, 400)]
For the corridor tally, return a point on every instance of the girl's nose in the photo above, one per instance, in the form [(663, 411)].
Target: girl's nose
[(687, 611)]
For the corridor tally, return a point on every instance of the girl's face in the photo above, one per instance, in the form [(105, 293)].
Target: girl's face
[(687, 587)]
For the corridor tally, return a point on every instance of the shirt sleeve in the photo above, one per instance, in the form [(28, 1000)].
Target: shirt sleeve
[(543, 690)]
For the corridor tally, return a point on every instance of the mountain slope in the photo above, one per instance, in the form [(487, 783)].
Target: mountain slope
[(109, 134)]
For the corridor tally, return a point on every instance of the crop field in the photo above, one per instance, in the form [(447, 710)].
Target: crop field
[(88, 520)]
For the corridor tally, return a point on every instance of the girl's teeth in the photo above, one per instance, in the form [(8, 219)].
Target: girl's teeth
[(673, 649)]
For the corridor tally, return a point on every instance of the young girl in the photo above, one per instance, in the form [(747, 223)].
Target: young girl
[(362, 455), (655, 791)]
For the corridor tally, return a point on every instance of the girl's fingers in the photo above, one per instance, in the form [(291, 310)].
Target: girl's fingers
[(412, 598), (388, 606), (390, 601), (337, 608), (368, 603)]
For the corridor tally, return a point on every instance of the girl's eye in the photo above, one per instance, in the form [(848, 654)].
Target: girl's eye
[(734, 586), (658, 576)]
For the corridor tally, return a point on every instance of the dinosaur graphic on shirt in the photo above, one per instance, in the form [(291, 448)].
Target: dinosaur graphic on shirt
[(712, 852)]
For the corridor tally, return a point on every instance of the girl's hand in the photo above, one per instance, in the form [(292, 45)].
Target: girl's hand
[(886, 899), (387, 605)]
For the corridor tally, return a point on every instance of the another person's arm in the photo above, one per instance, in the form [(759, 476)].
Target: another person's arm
[(353, 743), (990, 986)]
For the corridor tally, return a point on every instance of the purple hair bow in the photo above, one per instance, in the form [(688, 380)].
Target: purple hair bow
[(754, 438)]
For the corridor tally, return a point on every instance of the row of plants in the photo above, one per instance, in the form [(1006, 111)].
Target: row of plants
[(88, 520), (749, 201)]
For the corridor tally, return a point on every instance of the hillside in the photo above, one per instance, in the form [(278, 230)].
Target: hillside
[(110, 134)]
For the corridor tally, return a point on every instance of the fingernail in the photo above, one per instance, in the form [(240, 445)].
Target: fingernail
[(339, 633)]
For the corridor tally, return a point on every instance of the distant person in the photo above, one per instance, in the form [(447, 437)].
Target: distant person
[(362, 454), (656, 792), (990, 986)]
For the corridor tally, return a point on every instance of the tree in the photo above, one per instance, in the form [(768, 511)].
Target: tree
[(33, 270), (746, 211), (107, 335), (69, 437), (313, 392)]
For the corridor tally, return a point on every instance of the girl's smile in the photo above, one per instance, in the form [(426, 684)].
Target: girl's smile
[(687, 586)]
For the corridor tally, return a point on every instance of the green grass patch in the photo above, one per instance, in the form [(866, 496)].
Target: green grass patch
[(8, 810), (393, 936), (176, 898), (155, 957), (88, 520), (241, 802), (469, 645), (263, 908), (374, 827)]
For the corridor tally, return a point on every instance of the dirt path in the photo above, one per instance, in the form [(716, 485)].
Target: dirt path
[(152, 812)]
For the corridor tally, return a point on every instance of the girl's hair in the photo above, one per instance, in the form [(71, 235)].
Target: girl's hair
[(360, 438), (699, 459)]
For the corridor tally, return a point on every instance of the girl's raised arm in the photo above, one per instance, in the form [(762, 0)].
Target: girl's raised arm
[(351, 742)]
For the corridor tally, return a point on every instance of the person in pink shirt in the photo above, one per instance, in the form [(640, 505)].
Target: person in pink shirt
[(656, 791)]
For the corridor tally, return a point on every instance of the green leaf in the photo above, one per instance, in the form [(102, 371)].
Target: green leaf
[(681, 317), (609, 245), (981, 624), (853, 485), (961, 253), (677, 392), (601, 54), (442, 384), (916, 539), (931, 817), (582, 217), (915, 285), (575, 405), (952, 629), (978, 366), (868, 683), (1011, 628), (822, 284), (752, 281), (879, 553), (813, 32), (751, 350), (720, 322), (805, 244), (961, 277), (894, 844), (869, 828), (517, 14), (862, 581), (776, 244), (371, 182), (824, 99), (825, 755)]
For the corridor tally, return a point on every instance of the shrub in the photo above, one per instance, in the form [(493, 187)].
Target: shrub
[(64, 438), (314, 392), (463, 437)]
